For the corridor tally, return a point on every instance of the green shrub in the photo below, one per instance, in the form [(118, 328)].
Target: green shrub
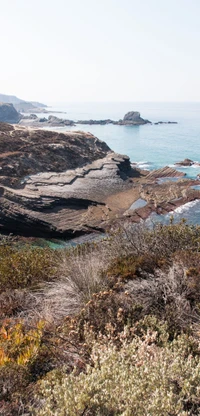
[(20, 268)]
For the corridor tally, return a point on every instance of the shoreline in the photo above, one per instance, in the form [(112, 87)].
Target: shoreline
[(51, 190)]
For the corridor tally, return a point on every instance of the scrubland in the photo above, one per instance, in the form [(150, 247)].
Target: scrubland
[(108, 328)]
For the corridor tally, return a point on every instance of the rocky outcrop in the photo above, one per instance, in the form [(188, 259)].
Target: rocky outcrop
[(132, 118), (58, 185), (165, 172), (185, 162), (26, 152), (100, 122), (65, 204), (9, 114), (33, 121), (64, 185)]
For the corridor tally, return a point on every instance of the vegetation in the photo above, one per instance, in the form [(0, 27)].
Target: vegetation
[(108, 328)]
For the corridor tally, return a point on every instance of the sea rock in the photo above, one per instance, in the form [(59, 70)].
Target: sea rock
[(9, 114), (91, 122), (185, 162), (132, 118), (51, 121), (165, 172), (56, 121)]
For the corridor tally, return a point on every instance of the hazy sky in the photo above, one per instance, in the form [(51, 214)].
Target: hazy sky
[(100, 50)]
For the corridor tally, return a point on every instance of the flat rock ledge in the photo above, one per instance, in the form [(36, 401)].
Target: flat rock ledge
[(64, 204), (165, 172)]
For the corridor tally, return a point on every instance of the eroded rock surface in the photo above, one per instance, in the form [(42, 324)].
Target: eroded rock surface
[(61, 204), (9, 114), (56, 184), (25, 152), (165, 172), (64, 185)]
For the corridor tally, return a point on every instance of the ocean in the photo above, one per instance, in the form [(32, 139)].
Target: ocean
[(151, 146)]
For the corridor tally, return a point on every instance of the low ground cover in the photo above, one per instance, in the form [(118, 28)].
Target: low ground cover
[(92, 330)]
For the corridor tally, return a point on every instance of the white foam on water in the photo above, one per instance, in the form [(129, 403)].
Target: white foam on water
[(147, 167), (195, 166), (185, 208)]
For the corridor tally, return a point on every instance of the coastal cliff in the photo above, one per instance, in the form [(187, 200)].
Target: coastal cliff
[(9, 114), (67, 184), (21, 105), (55, 184)]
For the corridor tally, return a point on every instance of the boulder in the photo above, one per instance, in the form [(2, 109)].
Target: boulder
[(9, 114), (185, 162), (132, 118)]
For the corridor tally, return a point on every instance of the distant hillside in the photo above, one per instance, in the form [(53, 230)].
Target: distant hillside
[(10, 99), (19, 104)]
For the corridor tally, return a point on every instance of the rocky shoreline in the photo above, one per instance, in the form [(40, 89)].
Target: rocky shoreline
[(9, 114), (62, 185), (132, 118)]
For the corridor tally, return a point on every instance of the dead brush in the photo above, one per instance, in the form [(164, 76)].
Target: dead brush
[(167, 295)]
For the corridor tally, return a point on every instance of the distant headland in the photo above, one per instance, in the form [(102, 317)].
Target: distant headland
[(11, 108)]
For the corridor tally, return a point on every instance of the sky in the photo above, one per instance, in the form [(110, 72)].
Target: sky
[(100, 50)]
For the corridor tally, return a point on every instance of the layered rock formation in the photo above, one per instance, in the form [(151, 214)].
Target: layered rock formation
[(64, 185), (165, 172), (9, 114), (26, 152), (56, 184)]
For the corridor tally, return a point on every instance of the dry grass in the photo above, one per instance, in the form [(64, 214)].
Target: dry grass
[(80, 275), (129, 252), (167, 295)]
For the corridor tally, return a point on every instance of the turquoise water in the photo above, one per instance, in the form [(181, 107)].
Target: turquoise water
[(152, 146), (190, 212)]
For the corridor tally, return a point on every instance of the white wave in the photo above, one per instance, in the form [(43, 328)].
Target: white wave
[(186, 207), (144, 166), (195, 165)]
